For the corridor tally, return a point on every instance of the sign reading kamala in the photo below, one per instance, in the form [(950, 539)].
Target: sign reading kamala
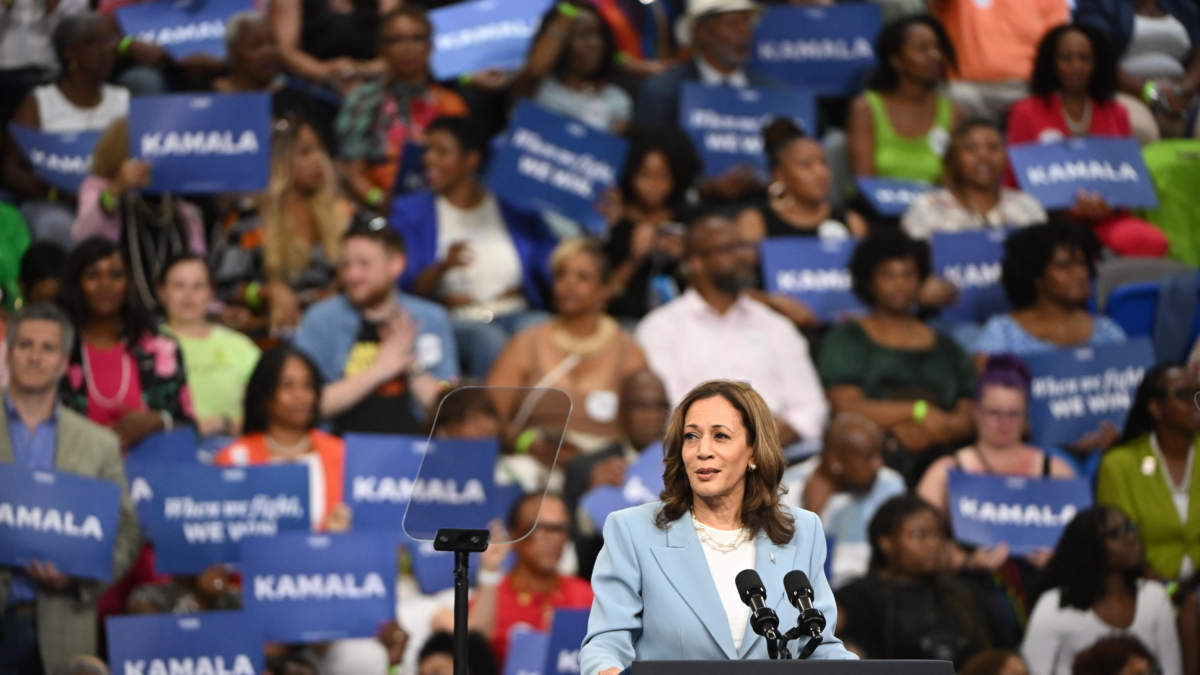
[(643, 483), (381, 472), (203, 144), (971, 261), (890, 198), (726, 123), (566, 636), (212, 643), (456, 487), (1055, 172), (1074, 390), (197, 517), (1026, 513), (814, 271), (826, 48), (552, 162), (315, 588), (62, 518), (527, 650), (471, 36), (61, 159), (182, 28)]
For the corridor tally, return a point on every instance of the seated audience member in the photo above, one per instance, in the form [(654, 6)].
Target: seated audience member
[(900, 126), (973, 196), (49, 616), (41, 272), (383, 354), (281, 254), (1073, 84), (906, 608), (437, 655), (645, 239), (381, 115), (1157, 44), (892, 368), (995, 662), (1150, 474), (570, 61), (844, 485), (530, 592), (81, 100), (996, 43), (330, 43), (123, 374), (282, 408), (1093, 590), (1116, 655), (480, 256), (582, 350), (715, 330), (219, 360), (27, 56)]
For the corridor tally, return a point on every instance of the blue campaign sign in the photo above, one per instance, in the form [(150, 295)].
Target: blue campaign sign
[(526, 654), (554, 163), (178, 446), (1074, 390), (61, 518), (61, 159), (813, 271), (381, 471), (319, 587), (1026, 513), (566, 637), (1056, 172), (182, 28), (197, 517), (471, 36), (210, 643), (410, 177), (726, 123), (890, 198), (971, 261), (828, 49), (200, 144), (456, 487), (643, 483)]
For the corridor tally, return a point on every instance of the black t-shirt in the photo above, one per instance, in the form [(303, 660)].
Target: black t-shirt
[(387, 410)]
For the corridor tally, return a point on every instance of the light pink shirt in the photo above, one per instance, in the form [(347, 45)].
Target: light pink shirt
[(92, 221), (687, 342)]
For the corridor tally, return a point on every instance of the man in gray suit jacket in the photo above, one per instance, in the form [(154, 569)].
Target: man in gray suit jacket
[(45, 616)]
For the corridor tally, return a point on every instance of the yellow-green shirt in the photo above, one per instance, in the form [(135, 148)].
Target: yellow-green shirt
[(901, 158), (218, 369)]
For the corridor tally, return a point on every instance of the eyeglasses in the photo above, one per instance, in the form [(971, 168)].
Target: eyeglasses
[(1002, 415), (1126, 529), (560, 529), (402, 38)]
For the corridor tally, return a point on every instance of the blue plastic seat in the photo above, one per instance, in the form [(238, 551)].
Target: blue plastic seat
[(1133, 307)]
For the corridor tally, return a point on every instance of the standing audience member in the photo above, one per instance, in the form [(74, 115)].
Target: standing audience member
[(41, 272), (730, 335), (384, 354), (1093, 590), (1072, 86), (1116, 655), (482, 257), (281, 413), (47, 616), (1151, 473)]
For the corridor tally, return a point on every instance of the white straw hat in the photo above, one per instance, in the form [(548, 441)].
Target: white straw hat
[(699, 8)]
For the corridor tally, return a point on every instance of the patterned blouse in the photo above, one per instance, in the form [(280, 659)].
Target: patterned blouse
[(940, 212), (160, 371)]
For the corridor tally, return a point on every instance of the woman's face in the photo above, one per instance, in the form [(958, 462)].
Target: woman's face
[(578, 286), (186, 292), (446, 165), (1074, 61), (94, 52), (895, 285), (916, 547), (652, 182), (104, 284), (1000, 416), (1176, 409), (405, 44), (292, 404), (803, 171), (1066, 279), (585, 46), (308, 161), (1122, 543), (921, 57), (981, 159), (255, 56), (716, 451)]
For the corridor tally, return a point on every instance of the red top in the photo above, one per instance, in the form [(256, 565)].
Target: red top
[(1040, 118), (534, 609)]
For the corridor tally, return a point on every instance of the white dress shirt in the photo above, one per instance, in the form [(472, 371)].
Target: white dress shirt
[(687, 342), (715, 78)]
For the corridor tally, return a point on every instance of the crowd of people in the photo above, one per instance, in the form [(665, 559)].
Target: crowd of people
[(341, 299)]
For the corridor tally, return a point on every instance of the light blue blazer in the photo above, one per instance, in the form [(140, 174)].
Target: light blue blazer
[(655, 598)]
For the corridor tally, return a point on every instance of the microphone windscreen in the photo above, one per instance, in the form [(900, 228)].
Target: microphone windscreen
[(748, 584), (795, 584)]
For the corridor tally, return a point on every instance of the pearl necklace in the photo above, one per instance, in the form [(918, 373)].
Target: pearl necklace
[(719, 546), (94, 388)]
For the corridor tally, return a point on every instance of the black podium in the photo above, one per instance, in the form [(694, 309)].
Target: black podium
[(764, 667)]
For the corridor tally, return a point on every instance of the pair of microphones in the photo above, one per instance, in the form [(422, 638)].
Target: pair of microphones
[(765, 622)]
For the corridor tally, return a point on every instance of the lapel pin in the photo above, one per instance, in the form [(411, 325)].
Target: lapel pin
[(772, 558)]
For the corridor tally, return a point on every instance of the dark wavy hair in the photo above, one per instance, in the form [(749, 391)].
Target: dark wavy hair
[(761, 506), (466, 132), (677, 147), (879, 247), (1109, 656), (1044, 80), (608, 60), (1079, 565), (1028, 251), (887, 522), (480, 658), (135, 320), (890, 42), (1152, 388), (264, 382)]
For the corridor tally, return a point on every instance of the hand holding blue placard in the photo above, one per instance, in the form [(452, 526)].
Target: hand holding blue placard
[(1057, 172), (890, 198), (1028, 514), (480, 34), (182, 28), (829, 49), (61, 159), (971, 262), (812, 271)]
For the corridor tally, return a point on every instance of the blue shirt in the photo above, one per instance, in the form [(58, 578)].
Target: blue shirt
[(32, 450), (1002, 334)]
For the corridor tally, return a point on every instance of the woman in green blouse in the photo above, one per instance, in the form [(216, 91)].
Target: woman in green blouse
[(1151, 473)]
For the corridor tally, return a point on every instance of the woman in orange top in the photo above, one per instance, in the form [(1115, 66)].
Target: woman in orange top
[(280, 420)]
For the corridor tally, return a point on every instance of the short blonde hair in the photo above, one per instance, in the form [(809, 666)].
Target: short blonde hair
[(569, 247)]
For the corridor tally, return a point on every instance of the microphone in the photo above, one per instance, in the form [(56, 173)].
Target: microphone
[(763, 619), (800, 593)]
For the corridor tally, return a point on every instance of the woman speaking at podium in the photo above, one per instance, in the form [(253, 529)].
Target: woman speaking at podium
[(664, 582)]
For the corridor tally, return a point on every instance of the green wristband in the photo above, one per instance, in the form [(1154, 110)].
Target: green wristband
[(1150, 93), (253, 295), (107, 201), (525, 441), (920, 409), (373, 197), (568, 10), (123, 45)]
